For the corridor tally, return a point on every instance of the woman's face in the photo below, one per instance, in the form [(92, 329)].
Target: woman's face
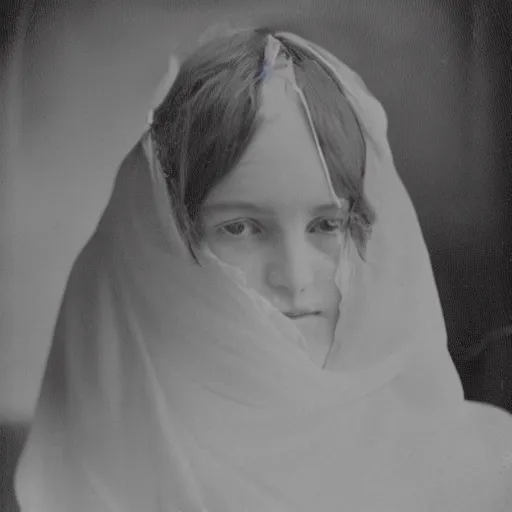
[(275, 218)]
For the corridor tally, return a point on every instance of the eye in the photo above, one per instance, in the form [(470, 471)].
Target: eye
[(239, 229), (328, 226)]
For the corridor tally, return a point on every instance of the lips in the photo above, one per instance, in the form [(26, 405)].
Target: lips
[(300, 314)]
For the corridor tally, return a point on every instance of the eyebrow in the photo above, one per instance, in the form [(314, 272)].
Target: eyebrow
[(251, 207)]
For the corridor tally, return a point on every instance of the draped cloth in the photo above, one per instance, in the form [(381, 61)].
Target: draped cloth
[(172, 387)]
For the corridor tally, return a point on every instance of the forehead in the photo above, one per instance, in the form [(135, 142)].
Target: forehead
[(281, 168)]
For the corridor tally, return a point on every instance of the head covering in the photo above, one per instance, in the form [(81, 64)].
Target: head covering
[(173, 387)]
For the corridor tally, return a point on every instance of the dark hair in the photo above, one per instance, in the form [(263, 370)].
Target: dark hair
[(211, 114)]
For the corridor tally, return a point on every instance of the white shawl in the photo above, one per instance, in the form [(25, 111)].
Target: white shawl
[(171, 387)]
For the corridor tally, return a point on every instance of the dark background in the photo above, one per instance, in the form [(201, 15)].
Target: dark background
[(76, 81)]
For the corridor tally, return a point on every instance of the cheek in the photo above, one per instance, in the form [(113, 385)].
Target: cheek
[(329, 249), (243, 256), (325, 281), (325, 258)]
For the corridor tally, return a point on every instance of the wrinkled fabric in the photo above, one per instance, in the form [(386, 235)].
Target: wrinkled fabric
[(172, 387)]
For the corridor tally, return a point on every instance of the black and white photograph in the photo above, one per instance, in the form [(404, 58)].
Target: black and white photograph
[(256, 256)]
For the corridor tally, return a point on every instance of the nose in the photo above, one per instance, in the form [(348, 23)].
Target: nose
[(292, 266)]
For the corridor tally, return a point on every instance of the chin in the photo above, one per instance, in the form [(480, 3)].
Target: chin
[(319, 331)]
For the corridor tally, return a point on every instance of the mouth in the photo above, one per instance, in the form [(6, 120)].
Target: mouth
[(295, 315)]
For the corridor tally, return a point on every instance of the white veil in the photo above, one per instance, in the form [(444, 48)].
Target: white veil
[(169, 387)]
